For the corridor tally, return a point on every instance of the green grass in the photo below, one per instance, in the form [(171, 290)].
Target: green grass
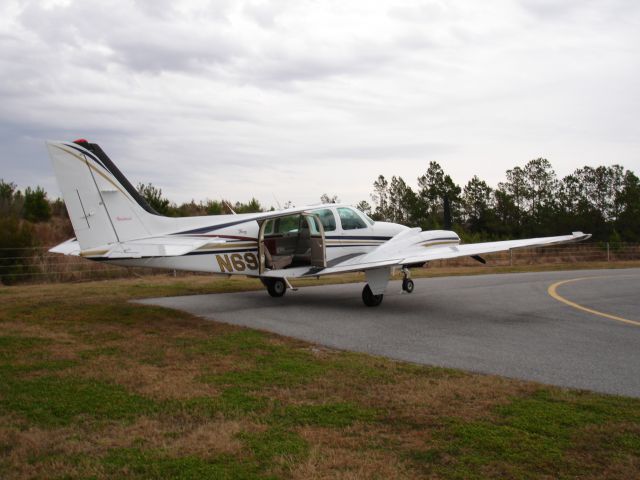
[(264, 363), (275, 443), (57, 400), (529, 434), (99, 352), (232, 403), (341, 414), (288, 370), (246, 341), (11, 345), (92, 386), (145, 464)]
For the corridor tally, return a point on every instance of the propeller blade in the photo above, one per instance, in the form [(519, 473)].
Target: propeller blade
[(447, 213), (478, 258)]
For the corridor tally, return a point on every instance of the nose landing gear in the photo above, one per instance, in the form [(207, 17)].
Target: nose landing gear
[(407, 283)]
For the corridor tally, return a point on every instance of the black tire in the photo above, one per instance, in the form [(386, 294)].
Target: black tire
[(276, 287), (407, 285), (369, 299)]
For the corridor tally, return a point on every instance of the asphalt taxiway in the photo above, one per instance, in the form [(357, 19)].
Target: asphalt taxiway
[(577, 328)]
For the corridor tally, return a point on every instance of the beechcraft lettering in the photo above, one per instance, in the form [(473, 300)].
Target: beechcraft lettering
[(114, 224)]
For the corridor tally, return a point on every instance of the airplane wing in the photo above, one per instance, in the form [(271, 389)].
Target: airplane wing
[(413, 247), (491, 247)]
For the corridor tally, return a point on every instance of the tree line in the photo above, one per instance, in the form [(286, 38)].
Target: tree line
[(154, 197), (20, 212), (29, 220), (531, 201)]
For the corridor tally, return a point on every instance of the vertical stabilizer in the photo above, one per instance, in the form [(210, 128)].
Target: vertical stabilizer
[(103, 206)]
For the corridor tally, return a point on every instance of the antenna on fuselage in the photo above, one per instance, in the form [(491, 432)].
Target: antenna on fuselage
[(276, 199), (229, 207)]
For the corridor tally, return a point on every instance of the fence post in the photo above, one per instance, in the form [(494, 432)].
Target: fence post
[(510, 257), (608, 256)]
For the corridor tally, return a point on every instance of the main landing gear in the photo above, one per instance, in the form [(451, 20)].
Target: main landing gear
[(276, 287), (369, 299)]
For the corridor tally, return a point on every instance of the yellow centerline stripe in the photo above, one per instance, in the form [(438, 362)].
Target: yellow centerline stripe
[(553, 291)]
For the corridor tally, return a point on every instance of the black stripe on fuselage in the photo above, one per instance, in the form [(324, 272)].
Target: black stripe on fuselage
[(356, 237), (348, 245), (216, 227), (344, 258), (210, 252)]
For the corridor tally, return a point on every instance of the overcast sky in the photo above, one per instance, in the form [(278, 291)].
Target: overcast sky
[(233, 99)]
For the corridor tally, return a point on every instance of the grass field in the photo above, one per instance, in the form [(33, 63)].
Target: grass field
[(92, 386)]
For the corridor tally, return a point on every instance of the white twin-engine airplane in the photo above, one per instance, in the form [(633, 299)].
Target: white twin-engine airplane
[(114, 224)]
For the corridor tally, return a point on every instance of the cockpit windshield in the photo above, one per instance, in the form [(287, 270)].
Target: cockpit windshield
[(369, 219), (350, 219)]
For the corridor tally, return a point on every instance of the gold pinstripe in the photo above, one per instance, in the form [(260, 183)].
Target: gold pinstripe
[(92, 253), (427, 244), (217, 246), (74, 154)]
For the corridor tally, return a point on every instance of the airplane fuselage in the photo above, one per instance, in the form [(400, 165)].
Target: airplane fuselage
[(233, 249)]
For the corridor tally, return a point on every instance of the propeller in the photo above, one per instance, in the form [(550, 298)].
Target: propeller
[(478, 258), (447, 213)]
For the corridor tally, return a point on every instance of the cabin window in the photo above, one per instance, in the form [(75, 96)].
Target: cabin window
[(327, 218), (287, 224), (350, 220), (315, 227)]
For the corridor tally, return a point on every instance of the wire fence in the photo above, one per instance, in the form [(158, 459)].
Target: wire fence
[(559, 254), (37, 265)]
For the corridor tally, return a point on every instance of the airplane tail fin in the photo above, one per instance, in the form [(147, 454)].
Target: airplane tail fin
[(102, 204)]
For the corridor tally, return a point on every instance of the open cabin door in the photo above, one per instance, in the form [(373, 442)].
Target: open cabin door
[(318, 248), (291, 241)]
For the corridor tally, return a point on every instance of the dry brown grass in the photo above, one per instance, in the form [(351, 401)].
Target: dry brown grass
[(204, 439), (467, 397), (614, 462), (208, 439), (168, 382), (164, 356), (342, 457)]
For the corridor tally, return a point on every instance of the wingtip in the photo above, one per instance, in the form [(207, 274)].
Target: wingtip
[(581, 235)]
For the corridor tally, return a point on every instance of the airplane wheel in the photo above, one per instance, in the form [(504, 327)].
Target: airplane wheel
[(407, 285), (276, 287), (369, 299)]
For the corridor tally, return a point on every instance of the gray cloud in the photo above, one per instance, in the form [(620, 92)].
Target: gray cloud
[(241, 98)]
